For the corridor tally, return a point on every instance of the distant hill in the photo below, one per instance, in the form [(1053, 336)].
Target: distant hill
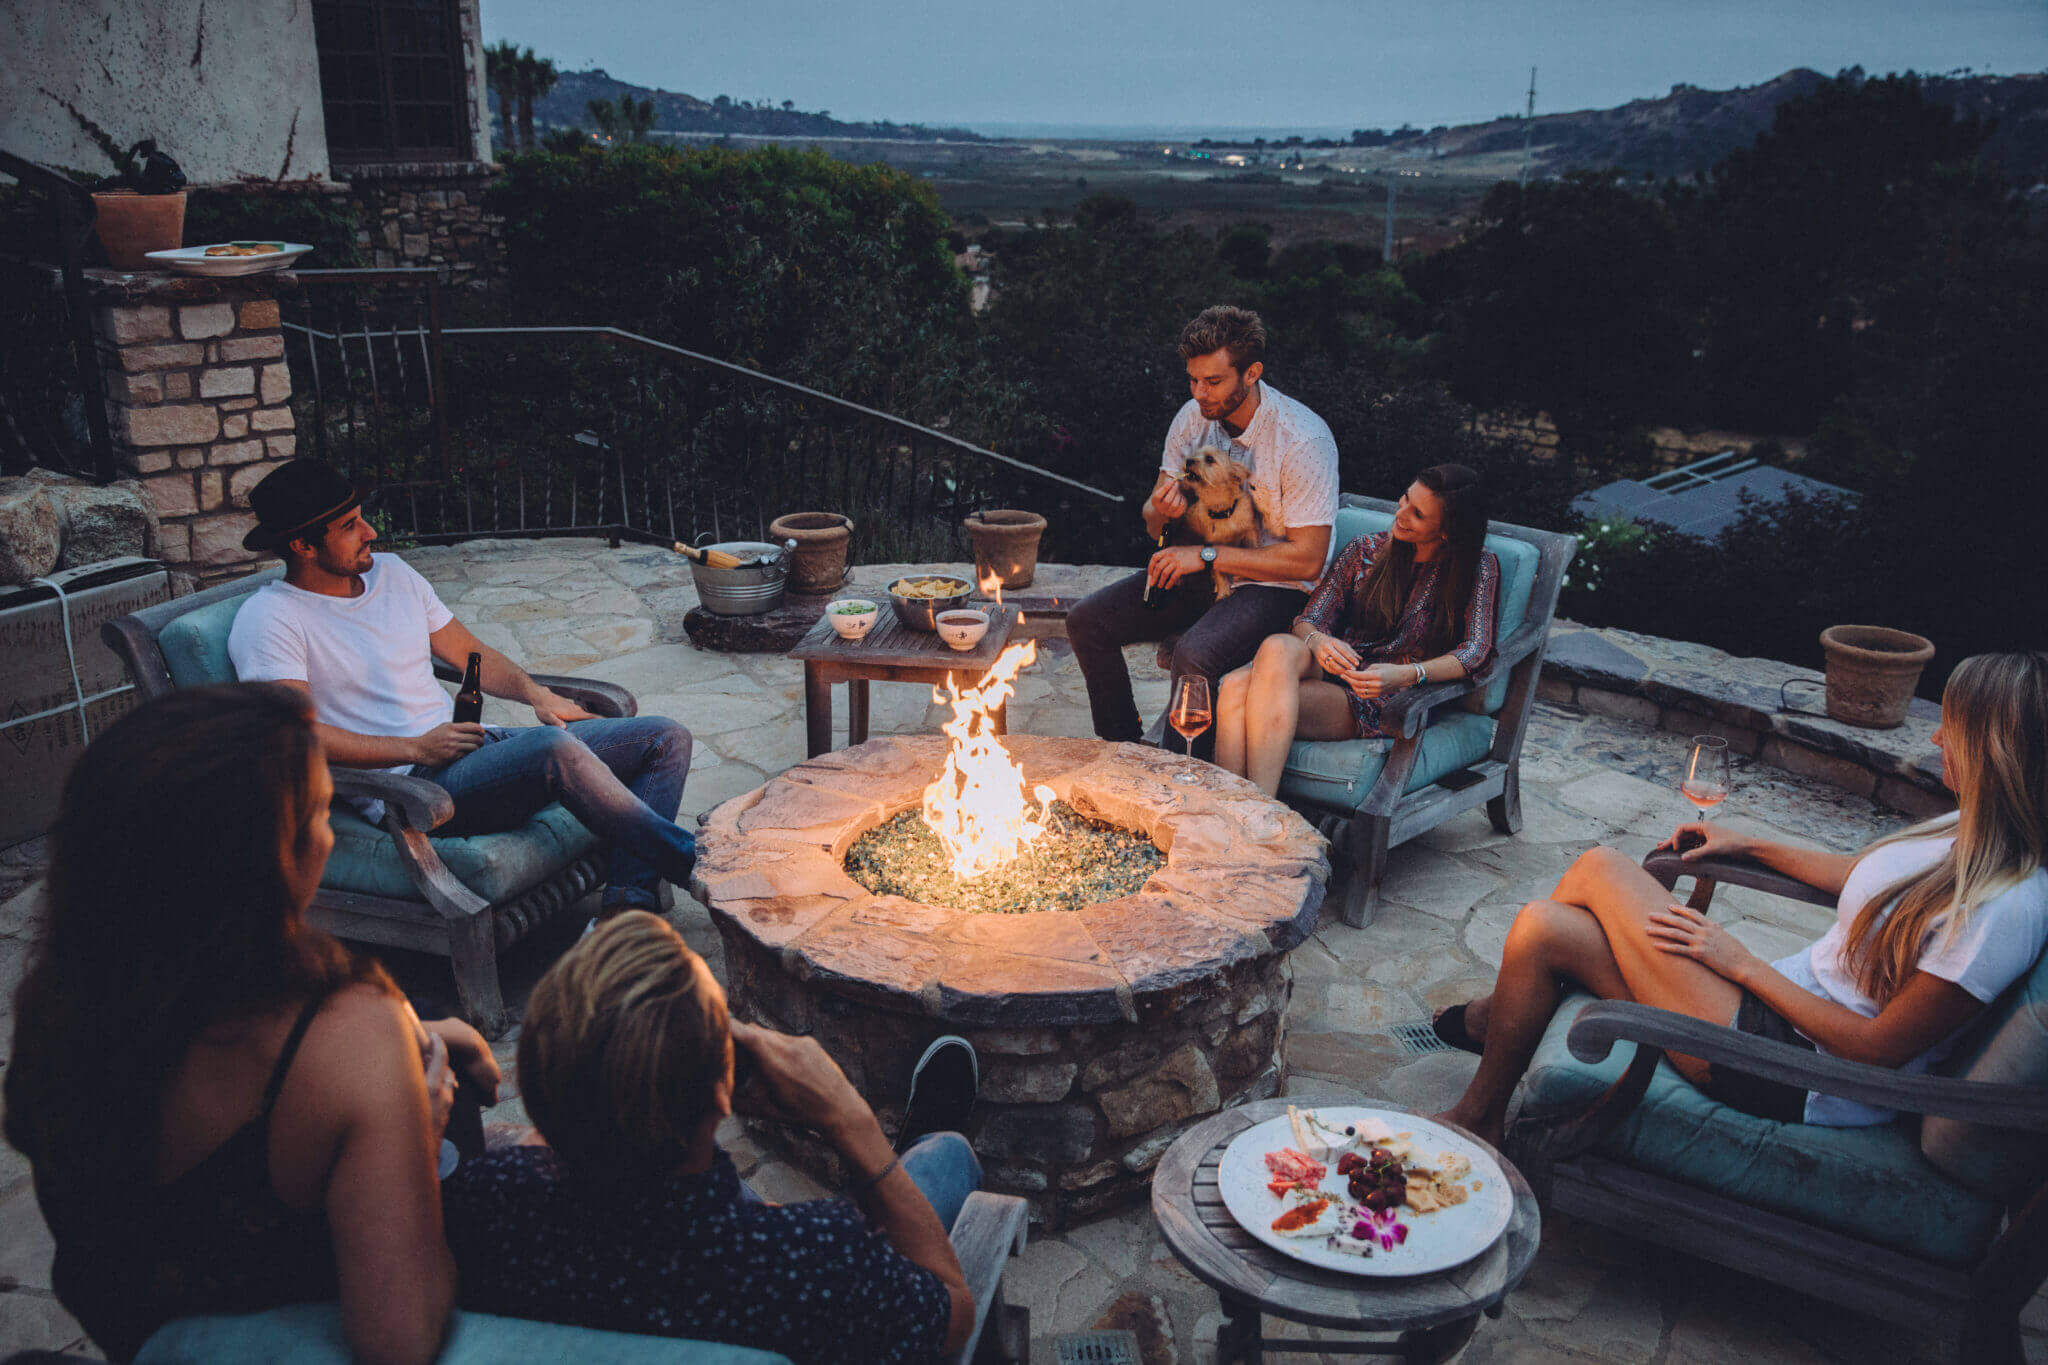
[(564, 106), (1690, 129)]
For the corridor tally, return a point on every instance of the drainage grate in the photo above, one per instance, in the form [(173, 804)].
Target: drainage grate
[(1097, 1348), (1417, 1037)]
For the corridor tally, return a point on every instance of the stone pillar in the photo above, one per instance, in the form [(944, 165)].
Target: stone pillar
[(199, 404)]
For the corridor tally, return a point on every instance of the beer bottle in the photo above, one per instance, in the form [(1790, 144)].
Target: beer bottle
[(469, 702), (1155, 596)]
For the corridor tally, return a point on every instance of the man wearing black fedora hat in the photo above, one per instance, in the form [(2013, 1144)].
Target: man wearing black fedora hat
[(359, 632)]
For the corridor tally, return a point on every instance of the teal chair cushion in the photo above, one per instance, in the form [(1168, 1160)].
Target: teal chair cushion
[(2008, 1046), (1518, 563), (1340, 772), (195, 645), (1869, 1183), (310, 1334), (495, 866)]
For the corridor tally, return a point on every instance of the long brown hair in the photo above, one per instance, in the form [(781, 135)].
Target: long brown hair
[(170, 911), (1392, 576), (1994, 717)]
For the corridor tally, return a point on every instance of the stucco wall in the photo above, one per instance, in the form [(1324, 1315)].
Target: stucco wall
[(231, 88)]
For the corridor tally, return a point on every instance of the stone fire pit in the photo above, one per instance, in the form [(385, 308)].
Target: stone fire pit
[(1103, 1032)]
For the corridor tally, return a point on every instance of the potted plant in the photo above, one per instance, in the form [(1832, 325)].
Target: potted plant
[(819, 564), (1871, 673), (1006, 544), (140, 208)]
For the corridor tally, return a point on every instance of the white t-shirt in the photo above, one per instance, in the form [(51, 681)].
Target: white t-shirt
[(1293, 460), (366, 659), (1998, 944)]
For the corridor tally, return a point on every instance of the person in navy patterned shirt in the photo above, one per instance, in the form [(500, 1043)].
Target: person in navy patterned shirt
[(1394, 610), (632, 1218)]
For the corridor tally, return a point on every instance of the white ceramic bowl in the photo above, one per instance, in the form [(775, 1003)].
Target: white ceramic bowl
[(851, 625), (962, 627)]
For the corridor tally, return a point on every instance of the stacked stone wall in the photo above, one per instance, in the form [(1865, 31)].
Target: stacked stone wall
[(199, 403), (429, 216)]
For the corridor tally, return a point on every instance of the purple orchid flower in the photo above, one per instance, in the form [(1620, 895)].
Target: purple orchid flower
[(1382, 1226)]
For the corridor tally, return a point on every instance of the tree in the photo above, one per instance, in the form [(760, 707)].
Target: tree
[(636, 118), (501, 74), (537, 76), (605, 115)]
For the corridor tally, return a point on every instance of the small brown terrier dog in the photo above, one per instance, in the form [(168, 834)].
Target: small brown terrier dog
[(1219, 506)]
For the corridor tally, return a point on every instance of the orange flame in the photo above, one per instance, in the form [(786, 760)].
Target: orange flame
[(977, 804), (991, 585)]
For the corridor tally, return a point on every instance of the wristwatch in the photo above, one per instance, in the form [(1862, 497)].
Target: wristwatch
[(1208, 554)]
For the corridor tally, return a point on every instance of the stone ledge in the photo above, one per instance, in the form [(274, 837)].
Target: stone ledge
[(1680, 686)]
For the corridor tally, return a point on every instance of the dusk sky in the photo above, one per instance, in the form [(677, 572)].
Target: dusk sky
[(1285, 63)]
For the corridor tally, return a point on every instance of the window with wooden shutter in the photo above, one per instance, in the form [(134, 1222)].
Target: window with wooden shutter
[(391, 80)]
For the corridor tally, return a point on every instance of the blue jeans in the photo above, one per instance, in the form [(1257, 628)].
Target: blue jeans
[(623, 779), (942, 1166)]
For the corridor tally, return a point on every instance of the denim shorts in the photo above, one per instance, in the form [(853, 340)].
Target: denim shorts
[(1752, 1094)]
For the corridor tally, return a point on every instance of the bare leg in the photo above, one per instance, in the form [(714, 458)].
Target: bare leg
[(1231, 697), (1591, 932), (1284, 706)]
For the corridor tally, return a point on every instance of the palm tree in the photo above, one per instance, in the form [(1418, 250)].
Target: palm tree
[(606, 116), (501, 73), (638, 118), (537, 76)]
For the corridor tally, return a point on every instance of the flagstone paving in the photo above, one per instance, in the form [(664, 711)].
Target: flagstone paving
[(576, 606)]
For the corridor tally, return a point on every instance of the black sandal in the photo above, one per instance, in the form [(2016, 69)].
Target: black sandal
[(1449, 1025)]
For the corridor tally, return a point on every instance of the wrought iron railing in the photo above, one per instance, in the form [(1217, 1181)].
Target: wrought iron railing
[(506, 431), (53, 410)]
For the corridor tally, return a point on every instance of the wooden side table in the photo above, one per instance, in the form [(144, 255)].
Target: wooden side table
[(1435, 1315), (890, 652)]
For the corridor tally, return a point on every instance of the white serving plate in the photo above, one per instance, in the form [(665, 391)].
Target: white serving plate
[(193, 260), (1436, 1241)]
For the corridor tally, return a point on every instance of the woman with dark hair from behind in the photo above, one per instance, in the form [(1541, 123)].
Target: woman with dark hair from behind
[(1394, 610), (224, 1110)]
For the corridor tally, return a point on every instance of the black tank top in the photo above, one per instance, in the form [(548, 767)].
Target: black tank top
[(215, 1240)]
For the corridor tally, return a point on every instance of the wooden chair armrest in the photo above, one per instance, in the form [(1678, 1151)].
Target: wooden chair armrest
[(1667, 867), (1602, 1025), (599, 698), (420, 803), (1407, 711), (990, 1229)]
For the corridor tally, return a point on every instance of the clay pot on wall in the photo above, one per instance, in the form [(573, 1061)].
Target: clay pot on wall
[(819, 564), (1871, 673), (132, 225), (1006, 543)]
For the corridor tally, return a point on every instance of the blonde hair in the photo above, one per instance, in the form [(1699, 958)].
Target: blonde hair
[(1994, 715), (621, 1047)]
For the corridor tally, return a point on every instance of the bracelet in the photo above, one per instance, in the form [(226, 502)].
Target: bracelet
[(1421, 675), (863, 1186)]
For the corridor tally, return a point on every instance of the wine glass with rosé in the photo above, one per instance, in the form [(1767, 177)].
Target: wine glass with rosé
[(1190, 714), (1705, 783)]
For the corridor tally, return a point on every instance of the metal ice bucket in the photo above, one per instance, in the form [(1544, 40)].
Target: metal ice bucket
[(749, 590)]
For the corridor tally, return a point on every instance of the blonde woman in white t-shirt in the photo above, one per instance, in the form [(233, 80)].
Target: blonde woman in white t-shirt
[(1934, 922)]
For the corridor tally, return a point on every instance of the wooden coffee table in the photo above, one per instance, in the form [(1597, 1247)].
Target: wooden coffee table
[(889, 652), (1435, 1315)]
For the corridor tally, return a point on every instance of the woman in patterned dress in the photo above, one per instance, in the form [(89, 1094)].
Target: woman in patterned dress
[(1394, 609)]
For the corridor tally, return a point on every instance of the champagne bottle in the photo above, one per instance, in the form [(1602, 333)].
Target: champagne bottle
[(1155, 596), (469, 702)]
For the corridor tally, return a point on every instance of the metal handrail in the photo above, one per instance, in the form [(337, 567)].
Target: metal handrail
[(649, 343), (75, 214)]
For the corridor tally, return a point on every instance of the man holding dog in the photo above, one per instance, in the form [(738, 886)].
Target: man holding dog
[(1288, 471)]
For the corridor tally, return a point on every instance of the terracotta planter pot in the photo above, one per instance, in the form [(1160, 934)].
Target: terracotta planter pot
[(1006, 544), (821, 537), (1871, 673), (131, 225)]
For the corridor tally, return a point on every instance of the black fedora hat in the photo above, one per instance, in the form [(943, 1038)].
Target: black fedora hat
[(296, 497)]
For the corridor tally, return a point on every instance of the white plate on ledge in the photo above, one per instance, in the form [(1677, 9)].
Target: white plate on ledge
[(193, 260), (1436, 1241)]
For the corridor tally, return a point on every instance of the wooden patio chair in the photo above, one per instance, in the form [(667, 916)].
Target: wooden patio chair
[(1934, 1221), (1372, 795), (462, 898)]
